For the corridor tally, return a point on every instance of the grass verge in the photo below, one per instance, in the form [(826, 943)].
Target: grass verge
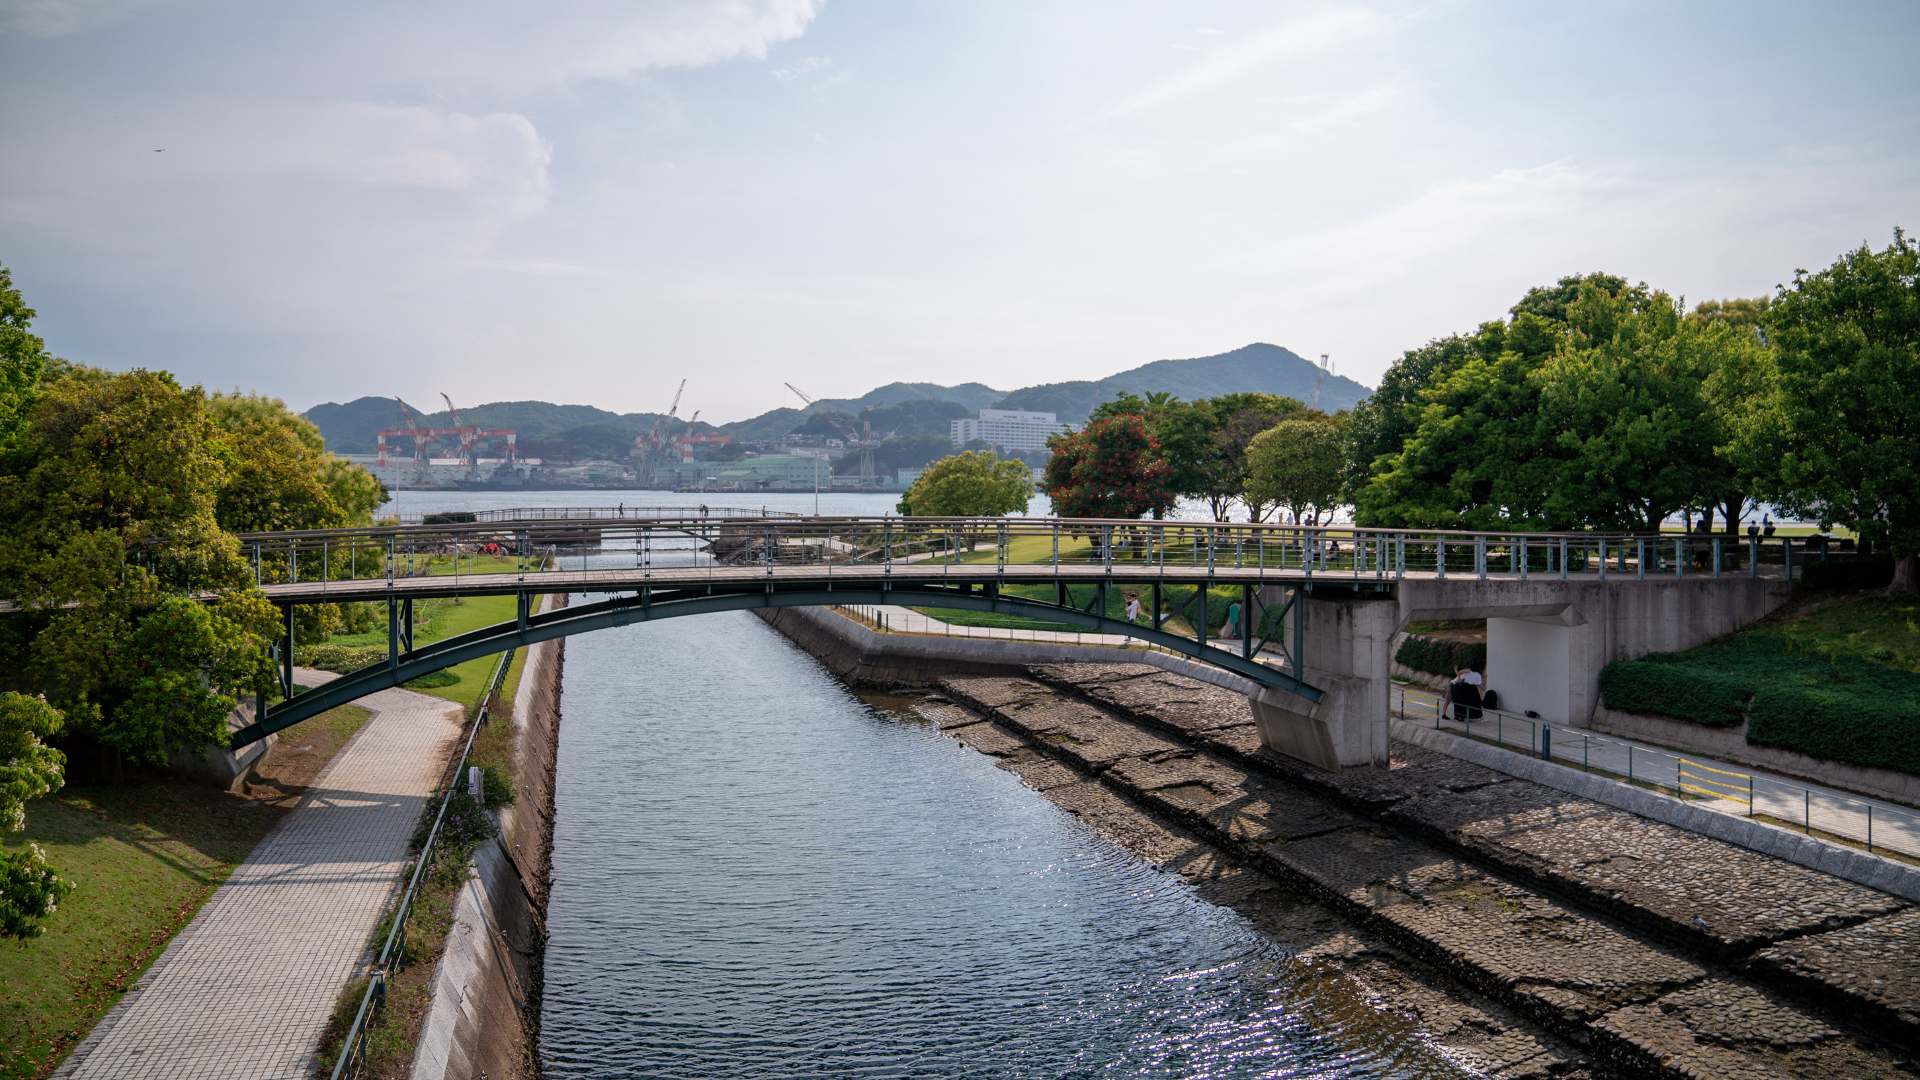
[(393, 1033), (145, 855)]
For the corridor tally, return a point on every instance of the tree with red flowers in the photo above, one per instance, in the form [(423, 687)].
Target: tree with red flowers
[(1110, 469)]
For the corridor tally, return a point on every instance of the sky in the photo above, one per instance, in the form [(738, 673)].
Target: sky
[(585, 201)]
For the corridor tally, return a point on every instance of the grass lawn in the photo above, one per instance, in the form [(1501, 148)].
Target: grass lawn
[(1869, 625), (442, 618), (144, 856)]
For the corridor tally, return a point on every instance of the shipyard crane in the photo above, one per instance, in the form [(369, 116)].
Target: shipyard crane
[(422, 438), (1325, 368), (470, 434), (687, 440), (648, 447)]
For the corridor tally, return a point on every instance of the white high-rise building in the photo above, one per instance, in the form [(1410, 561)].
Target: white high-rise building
[(1010, 429)]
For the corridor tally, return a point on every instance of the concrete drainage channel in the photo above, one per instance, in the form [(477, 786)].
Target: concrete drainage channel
[(1657, 951)]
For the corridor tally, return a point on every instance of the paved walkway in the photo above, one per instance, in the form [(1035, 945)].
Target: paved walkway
[(247, 988), (904, 620), (1797, 802)]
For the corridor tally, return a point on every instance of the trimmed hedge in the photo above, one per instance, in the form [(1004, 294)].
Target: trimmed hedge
[(341, 658), (1848, 572), (1438, 656), (1665, 683), (1841, 708)]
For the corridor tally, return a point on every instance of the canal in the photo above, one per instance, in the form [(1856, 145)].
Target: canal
[(759, 873)]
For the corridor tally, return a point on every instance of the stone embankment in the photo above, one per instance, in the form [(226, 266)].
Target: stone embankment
[(1538, 933), (484, 1019)]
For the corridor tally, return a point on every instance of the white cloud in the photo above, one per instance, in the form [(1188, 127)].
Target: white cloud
[(1373, 99), (1229, 59), (618, 41), (804, 66)]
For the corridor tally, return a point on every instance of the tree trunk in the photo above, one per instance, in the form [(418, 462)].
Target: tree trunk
[(1735, 508), (1906, 575)]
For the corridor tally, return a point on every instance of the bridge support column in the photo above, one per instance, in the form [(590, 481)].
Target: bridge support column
[(1348, 653)]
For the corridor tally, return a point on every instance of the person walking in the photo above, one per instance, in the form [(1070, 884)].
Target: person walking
[(1133, 614), (1232, 629)]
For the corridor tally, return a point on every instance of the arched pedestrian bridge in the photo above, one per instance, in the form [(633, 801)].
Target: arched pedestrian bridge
[(1323, 603)]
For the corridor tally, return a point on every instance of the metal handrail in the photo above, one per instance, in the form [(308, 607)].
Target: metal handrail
[(1881, 827), (1009, 545), (353, 1048)]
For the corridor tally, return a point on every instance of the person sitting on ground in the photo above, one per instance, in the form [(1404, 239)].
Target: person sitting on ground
[(1465, 694)]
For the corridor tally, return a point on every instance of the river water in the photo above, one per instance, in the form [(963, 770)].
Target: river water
[(759, 873)]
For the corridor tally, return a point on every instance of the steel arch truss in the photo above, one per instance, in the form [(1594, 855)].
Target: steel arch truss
[(647, 605)]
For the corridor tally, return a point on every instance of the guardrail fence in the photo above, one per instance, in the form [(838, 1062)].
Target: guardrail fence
[(735, 536), (1882, 828)]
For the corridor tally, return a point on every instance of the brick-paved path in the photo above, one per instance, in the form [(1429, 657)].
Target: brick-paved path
[(246, 989)]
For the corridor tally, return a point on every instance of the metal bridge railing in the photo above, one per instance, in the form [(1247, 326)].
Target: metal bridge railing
[(731, 537), (392, 959), (1882, 828)]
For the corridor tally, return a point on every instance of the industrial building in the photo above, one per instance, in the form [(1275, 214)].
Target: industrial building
[(1010, 429), (772, 473)]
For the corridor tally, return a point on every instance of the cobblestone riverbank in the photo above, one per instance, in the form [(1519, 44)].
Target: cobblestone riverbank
[(1531, 932)]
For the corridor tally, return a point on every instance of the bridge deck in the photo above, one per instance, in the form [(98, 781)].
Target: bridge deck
[(869, 575)]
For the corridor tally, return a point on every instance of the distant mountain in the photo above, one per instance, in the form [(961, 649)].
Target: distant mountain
[(1258, 368), (975, 396), (351, 428), (910, 408)]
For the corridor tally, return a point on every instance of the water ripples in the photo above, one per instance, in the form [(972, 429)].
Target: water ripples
[(757, 874)]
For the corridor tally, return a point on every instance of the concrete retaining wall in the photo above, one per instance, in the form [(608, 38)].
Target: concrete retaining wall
[(1809, 851), (861, 655), (485, 1014)]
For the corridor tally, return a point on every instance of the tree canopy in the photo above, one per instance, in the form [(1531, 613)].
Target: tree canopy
[(973, 483), (30, 890), (1846, 397), (1599, 405), (1112, 468), (1298, 464)]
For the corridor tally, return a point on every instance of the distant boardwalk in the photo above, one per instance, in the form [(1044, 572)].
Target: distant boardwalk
[(247, 988)]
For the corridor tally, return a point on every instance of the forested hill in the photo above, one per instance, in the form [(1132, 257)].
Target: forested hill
[(913, 408), (1257, 368)]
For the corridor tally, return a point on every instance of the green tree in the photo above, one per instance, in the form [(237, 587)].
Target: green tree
[(23, 357), (1112, 468), (1589, 408), (278, 473), (1847, 396), (1238, 418), (1299, 464), (30, 890), (973, 483), (1379, 426), (106, 535), (1473, 458), (1624, 422)]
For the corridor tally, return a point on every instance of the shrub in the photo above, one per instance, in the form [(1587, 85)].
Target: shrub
[(1438, 656), (1848, 573), (1659, 684), (495, 787), (338, 657), (1841, 708)]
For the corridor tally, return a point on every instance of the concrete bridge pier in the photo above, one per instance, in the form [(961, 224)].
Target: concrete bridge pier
[(1547, 639), (1349, 653)]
